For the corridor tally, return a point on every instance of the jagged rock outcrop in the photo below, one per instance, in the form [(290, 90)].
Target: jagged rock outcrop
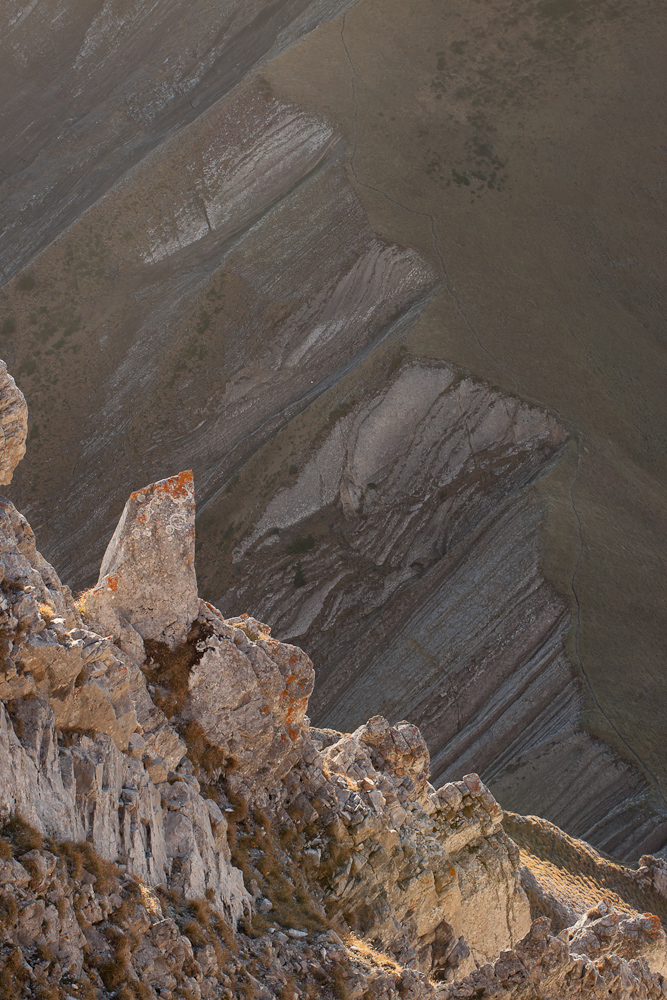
[(449, 896), (189, 268), (147, 577), (248, 694), (548, 967), (172, 826)]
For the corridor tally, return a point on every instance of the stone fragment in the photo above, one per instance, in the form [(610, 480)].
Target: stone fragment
[(147, 578), (248, 697), (14, 874)]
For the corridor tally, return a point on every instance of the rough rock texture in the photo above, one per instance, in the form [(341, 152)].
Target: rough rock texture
[(451, 895), (172, 826), (248, 694), (13, 425), (147, 578), (547, 967)]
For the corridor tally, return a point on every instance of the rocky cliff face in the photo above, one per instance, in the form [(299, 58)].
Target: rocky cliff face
[(173, 826), (190, 281)]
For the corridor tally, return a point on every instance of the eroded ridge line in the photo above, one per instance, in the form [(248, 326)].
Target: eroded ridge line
[(423, 215), (578, 437)]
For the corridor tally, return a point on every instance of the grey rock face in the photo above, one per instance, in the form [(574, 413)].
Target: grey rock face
[(248, 695), (89, 790), (147, 578), (13, 425), (426, 898), (546, 966)]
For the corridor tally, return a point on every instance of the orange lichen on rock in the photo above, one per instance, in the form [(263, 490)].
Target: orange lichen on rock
[(179, 487), (654, 924), (296, 710)]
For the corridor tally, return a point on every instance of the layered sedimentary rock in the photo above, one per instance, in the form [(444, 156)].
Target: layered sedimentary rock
[(247, 282), (402, 550), (110, 84)]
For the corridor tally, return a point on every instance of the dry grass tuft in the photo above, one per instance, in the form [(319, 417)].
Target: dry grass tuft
[(280, 877), (204, 754), (170, 668), (370, 954), (21, 836), (13, 976), (48, 612), (82, 857)]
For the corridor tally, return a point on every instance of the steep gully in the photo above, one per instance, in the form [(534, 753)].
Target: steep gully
[(247, 322)]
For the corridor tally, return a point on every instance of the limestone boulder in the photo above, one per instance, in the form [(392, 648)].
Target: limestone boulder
[(247, 695), (430, 875), (147, 578), (547, 966), (401, 749)]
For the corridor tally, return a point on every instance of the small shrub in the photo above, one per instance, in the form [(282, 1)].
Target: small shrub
[(196, 933), (9, 912), (49, 991), (21, 835), (171, 668), (201, 751)]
